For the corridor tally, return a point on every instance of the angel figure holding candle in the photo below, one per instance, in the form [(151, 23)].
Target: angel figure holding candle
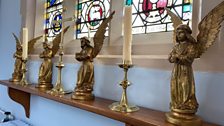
[(85, 77), (183, 100), (46, 68), (17, 74)]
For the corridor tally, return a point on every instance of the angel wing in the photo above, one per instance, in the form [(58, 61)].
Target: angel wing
[(57, 41), (209, 28), (31, 44), (16, 38), (99, 35), (176, 22)]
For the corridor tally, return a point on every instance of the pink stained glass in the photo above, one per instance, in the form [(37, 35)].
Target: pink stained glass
[(162, 4), (146, 6), (150, 15)]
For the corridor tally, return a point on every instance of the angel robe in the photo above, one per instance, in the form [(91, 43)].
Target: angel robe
[(45, 73), (85, 78), (17, 74), (182, 79)]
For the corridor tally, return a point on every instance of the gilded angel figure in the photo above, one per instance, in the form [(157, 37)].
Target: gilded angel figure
[(183, 103), (85, 77), (17, 74), (46, 68)]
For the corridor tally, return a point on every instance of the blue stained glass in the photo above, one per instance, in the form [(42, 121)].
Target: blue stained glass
[(53, 13), (187, 8), (128, 2), (78, 21), (47, 21), (79, 6), (78, 31), (58, 17), (52, 2)]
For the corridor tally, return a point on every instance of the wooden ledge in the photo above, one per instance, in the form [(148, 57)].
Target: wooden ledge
[(144, 117)]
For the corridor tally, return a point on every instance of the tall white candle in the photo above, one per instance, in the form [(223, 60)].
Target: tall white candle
[(88, 32), (127, 35), (25, 43), (43, 38)]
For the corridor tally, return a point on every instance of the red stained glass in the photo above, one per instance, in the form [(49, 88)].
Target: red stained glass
[(150, 16), (91, 13)]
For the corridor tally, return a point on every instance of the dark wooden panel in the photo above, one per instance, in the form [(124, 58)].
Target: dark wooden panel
[(128, 124)]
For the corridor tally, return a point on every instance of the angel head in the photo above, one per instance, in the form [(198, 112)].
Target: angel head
[(183, 34), (84, 42), (209, 28), (19, 46)]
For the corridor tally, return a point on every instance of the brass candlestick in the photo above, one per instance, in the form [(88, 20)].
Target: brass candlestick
[(123, 105), (58, 89), (23, 81)]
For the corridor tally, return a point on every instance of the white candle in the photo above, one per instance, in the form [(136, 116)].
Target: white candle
[(127, 35), (88, 32), (43, 39), (25, 43)]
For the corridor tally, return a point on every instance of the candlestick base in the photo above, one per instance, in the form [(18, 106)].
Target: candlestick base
[(58, 90), (117, 106), (123, 105)]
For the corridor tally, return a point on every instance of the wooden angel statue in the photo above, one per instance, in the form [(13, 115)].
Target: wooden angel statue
[(45, 71), (17, 74), (85, 77), (183, 103)]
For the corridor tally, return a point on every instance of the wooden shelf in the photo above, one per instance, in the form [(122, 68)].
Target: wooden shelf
[(144, 117)]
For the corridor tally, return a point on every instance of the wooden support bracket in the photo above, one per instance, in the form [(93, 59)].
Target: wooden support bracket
[(22, 98)]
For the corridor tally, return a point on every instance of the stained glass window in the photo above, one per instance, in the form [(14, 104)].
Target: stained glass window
[(52, 18), (90, 15), (149, 15)]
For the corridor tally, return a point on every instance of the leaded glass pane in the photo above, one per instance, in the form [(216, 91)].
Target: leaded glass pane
[(149, 15), (91, 13), (52, 18)]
